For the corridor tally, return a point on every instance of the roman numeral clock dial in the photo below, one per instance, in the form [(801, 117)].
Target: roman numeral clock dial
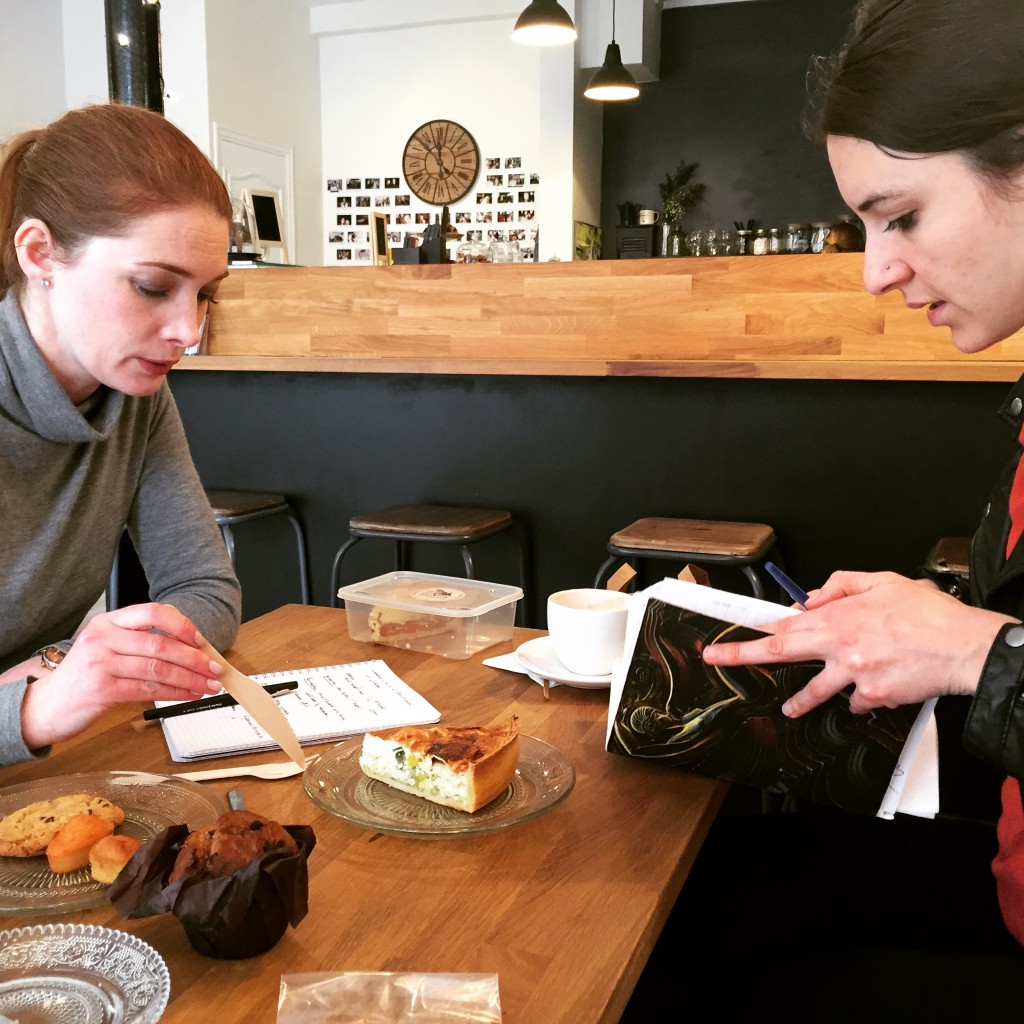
[(440, 162)]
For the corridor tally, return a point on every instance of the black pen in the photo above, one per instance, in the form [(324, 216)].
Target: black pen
[(223, 700)]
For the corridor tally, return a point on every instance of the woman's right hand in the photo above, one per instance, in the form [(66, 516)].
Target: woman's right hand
[(143, 652)]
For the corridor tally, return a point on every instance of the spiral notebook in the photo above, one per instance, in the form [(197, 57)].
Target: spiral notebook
[(329, 704)]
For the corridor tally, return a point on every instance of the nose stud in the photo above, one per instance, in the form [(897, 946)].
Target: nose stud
[(888, 266)]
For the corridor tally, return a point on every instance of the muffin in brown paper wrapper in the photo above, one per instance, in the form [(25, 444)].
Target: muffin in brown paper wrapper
[(230, 918)]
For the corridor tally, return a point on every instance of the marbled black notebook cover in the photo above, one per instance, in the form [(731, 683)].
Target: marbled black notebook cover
[(726, 722)]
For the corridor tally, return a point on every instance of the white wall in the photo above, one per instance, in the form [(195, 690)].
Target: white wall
[(32, 80)]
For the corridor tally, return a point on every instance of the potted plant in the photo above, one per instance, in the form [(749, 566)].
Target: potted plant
[(679, 194)]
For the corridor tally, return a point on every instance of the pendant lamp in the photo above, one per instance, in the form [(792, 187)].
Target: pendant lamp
[(544, 23), (612, 81)]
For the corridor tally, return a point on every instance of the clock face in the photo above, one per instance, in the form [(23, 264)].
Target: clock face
[(440, 162)]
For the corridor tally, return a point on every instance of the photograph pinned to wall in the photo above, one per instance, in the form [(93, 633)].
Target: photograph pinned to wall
[(526, 197), (362, 219), (391, 182), (382, 201), (587, 245), (335, 237), (513, 161), (516, 180), (526, 214), (395, 237), (463, 217), (371, 183), (484, 217), (496, 179), (333, 184), (344, 219), (493, 162), (403, 199), (362, 200), (353, 184), (344, 254), (345, 201), (483, 198), (505, 197), (534, 178), (362, 255)]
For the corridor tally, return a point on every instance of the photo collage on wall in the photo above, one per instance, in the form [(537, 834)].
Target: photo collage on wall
[(500, 207)]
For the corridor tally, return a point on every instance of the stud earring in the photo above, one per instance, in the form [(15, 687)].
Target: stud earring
[(45, 282)]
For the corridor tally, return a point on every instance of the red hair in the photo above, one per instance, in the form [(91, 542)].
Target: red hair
[(96, 171)]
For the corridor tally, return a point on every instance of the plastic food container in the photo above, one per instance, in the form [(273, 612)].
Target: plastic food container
[(443, 615)]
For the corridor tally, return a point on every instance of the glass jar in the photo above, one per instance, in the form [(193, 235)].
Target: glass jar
[(472, 251), (819, 234), (503, 252), (774, 241), (744, 242), (798, 238), (761, 242)]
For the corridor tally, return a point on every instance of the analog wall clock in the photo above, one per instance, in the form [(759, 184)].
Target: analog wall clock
[(440, 162)]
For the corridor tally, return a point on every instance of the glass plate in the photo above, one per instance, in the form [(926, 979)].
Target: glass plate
[(150, 803), (80, 974), (336, 783)]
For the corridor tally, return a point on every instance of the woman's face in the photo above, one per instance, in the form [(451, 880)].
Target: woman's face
[(123, 311), (938, 232)]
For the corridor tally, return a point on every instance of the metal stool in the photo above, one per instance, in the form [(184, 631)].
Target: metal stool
[(233, 507), (444, 524), (711, 542)]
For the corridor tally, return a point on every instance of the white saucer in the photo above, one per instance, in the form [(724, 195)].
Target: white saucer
[(538, 658)]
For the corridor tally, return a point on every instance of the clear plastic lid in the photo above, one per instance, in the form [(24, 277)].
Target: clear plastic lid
[(426, 592)]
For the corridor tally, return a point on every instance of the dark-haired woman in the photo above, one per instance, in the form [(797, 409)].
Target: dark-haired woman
[(922, 112), (113, 241)]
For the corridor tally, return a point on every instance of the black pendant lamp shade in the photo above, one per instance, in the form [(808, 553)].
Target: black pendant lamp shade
[(612, 81), (544, 23)]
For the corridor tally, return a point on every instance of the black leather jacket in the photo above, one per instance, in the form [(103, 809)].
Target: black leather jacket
[(994, 728)]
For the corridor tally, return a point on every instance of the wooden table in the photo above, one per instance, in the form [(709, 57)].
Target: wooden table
[(564, 908)]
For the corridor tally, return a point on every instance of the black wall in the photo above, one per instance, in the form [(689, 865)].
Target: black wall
[(731, 97), (856, 475)]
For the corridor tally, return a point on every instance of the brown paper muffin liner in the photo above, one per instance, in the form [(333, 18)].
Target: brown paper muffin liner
[(229, 918)]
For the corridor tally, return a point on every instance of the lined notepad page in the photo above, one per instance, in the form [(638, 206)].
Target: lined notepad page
[(330, 703)]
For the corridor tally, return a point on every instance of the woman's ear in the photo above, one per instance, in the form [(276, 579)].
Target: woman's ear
[(34, 247)]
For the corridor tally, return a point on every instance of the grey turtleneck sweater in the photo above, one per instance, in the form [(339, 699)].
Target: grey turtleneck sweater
[(71, 479)]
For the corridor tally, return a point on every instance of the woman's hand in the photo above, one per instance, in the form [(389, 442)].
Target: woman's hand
[(140, 653), (898, 641)]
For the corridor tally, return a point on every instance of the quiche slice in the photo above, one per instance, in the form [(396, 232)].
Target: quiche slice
[(464, 768)]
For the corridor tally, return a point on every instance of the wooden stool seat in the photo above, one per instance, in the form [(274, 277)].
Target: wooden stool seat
[(230, 508), (434, 522), (444, 524), (951, 555), (743, 545)]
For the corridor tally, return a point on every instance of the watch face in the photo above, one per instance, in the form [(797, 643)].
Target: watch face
[(440, 162)]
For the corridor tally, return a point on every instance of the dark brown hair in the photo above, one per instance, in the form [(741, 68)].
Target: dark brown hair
[(96, 171), (929, 76)]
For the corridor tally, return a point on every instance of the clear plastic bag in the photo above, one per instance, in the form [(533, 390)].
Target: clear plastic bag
[(359, 997)]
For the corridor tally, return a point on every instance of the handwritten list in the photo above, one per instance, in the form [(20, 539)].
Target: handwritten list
[(329, 704)]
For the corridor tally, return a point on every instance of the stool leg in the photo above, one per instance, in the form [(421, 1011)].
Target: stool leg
[(605, 566), (336, 568), (300, 541), (467, 561), (401, 555), (755, 582), (229, 541), (519, 535)]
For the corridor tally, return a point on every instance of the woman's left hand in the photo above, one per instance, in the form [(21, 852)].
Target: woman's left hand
[(897, 641)]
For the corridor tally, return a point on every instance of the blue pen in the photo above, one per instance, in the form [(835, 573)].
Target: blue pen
[(787, 585)]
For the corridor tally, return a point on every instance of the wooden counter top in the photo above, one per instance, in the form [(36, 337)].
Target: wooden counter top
[(768, 316)]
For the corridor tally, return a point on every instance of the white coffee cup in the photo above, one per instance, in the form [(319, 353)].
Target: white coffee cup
[(588, 629), (648, 217)]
